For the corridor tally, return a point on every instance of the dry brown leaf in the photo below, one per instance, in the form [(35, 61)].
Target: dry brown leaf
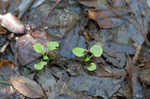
[(27, 87)]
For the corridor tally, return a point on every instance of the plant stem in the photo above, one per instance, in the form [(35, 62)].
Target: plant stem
[(88, 58)]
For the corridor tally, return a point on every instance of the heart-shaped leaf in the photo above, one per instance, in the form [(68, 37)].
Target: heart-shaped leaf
[(40, 65), (91, 67), (96, 50), (39, 48), (52, 45), (78, 52)]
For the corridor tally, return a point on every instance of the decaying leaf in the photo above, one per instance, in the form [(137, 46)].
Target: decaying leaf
[(12, 23), (89, 3), (3, 30), (101, 13), (6, 70), (6, 63), (108, 23), (27, 87), (106, 18), (117, 3)]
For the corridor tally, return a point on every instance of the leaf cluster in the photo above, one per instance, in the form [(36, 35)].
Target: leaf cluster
[(39, 48), (96, 51)]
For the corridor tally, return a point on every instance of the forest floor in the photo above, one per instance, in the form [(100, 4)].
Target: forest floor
[(121, 27)]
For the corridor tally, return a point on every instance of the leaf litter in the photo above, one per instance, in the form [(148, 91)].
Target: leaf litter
[(121, 26)]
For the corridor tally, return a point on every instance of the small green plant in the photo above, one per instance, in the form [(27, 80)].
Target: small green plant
[(96, 51), (39, 48)]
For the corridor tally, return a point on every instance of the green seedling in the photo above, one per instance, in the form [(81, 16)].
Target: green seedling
[(96, 51), (39, 48)]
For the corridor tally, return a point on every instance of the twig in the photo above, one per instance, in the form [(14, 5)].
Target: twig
[(136, 56), (56, 4), (7, 6), (3, 48)]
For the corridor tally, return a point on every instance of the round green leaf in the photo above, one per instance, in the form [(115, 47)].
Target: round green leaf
[(38, 48), (40, 65), (52, 45), (96, 50), (78, 52), (91, 67), (45, 57)]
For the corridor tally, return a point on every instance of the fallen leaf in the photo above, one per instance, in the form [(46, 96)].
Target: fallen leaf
[(89, 3), (6, 70), (101, 13), (106, 18), (108, 23), (27, 87), (2, 30), (12, 23), (6, 63)]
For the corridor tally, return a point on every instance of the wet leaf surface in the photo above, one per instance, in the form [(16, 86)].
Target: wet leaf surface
[(71, 42), (94, 86)]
